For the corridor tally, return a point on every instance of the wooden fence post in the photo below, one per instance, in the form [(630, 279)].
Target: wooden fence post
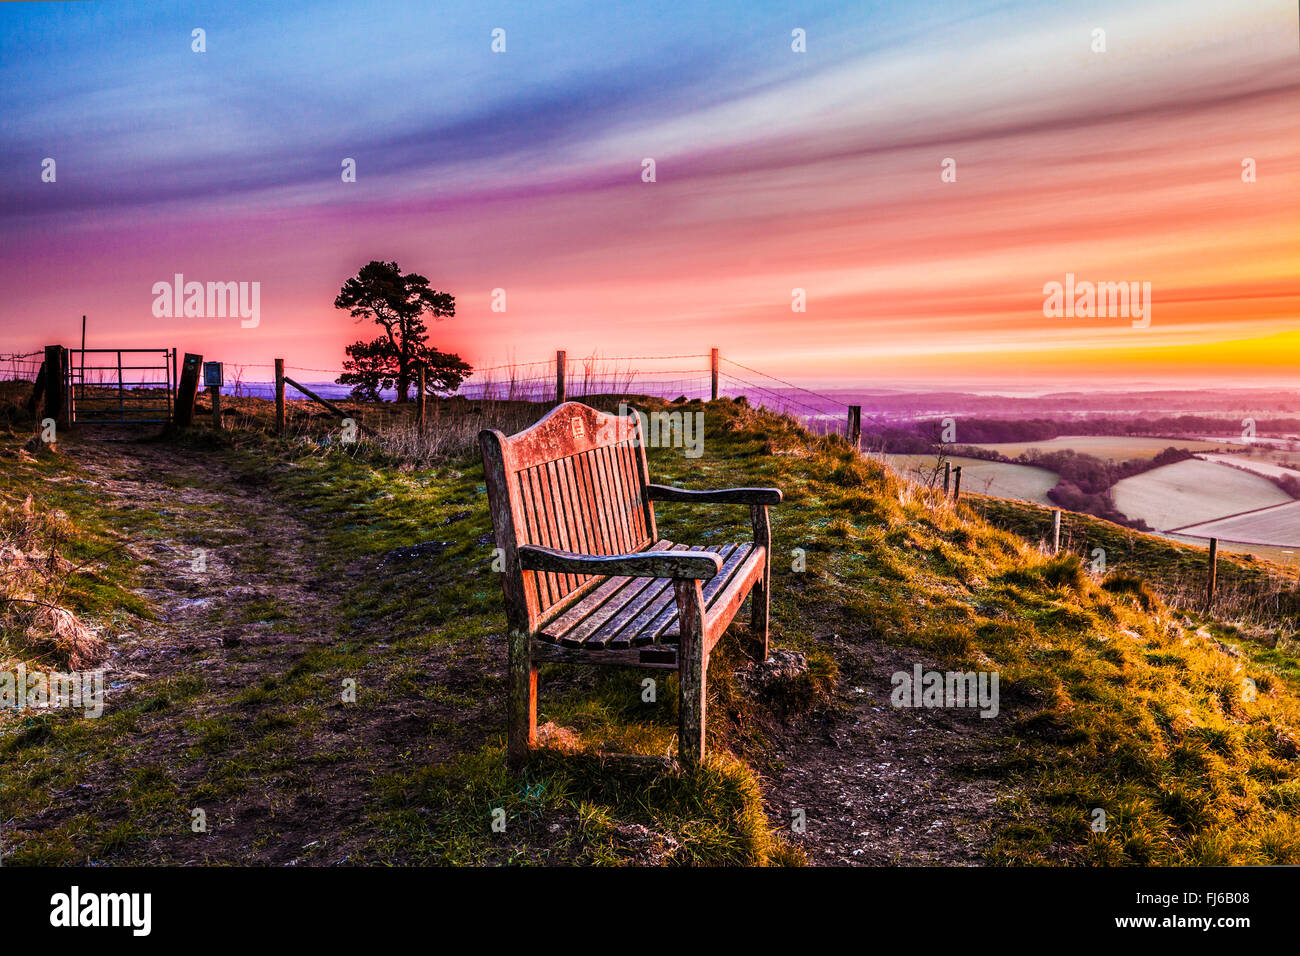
[(56, 385), (215, 392), (188, 389), (559, 378), (279, 396), (855, 426), (65, 374), (947, 478), (713, 362), (956, 484), (1214, 573), (419, 408), (1056, 531)]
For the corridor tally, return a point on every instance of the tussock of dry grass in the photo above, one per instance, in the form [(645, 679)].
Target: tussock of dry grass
[(33, 575)]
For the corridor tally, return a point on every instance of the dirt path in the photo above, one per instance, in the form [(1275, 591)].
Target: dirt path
[(231, 552), (238, 599), (885, 786)]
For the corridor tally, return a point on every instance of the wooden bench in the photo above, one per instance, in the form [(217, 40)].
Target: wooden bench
[(588, 580)]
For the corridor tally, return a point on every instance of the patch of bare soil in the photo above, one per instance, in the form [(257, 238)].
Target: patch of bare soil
[(884, 786)]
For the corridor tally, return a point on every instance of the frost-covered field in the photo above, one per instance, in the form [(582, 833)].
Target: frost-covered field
[(1258, 466), (1191, 492), (1278, 526), (1023, 482)]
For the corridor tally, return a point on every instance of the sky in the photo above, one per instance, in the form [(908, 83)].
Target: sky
[(775, 170)]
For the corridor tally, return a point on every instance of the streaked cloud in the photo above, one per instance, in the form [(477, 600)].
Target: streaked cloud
[(776, 170)]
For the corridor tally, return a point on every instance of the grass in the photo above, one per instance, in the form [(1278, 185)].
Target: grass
[(1258, 594), (1115, 695), (55, 571)]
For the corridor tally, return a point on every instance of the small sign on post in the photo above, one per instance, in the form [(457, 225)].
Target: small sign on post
[(212, 379)]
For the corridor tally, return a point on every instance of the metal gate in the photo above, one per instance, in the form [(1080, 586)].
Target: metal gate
[(129, 386)]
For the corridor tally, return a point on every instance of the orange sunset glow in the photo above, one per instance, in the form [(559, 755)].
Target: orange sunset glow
[(1171, 159)]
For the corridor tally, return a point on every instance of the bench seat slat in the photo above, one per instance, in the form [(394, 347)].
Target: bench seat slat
[(626, 612), (622, 629), (614, 615), (733, 556), (739, 582), (596, 607)]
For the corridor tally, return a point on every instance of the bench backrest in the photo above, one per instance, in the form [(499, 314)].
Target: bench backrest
[(575, 481)]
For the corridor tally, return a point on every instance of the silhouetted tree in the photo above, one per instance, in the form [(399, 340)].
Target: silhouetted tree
[(397, 302)]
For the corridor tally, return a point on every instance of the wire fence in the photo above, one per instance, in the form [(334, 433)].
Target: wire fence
[(668, 377), (20, 367)]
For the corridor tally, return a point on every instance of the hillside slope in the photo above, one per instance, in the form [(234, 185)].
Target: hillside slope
[(334, 563)]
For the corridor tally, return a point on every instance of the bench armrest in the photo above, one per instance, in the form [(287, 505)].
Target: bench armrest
[(697, 565), (721, 496)]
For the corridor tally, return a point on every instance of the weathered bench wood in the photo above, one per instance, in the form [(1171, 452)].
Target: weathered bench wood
[(587, 579)]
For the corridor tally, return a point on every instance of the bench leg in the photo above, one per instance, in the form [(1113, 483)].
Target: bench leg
[(692, 673), (521, 728), (761, 595)]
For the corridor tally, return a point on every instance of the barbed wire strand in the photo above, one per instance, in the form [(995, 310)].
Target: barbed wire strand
[(778, 397), (785, 383)]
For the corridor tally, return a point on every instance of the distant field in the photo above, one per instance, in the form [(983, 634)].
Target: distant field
[(1278, 526), (1288, 557), (1191, 492), (1257, 465), (1024, 482), (1111, 447)]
